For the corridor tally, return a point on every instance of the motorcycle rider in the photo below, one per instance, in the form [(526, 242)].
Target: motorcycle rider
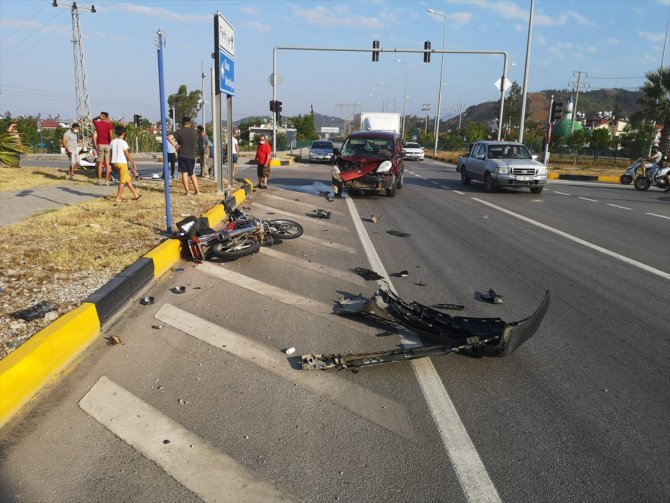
[(653, 158)]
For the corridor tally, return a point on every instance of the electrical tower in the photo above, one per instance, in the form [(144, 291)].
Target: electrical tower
[(80, 81)]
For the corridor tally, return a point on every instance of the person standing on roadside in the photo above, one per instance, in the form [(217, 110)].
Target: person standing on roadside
[(172, 158), (203, 152), (70, 143), (263, 158), (102, 136), (236, 153), (120, 158), (184, 139)]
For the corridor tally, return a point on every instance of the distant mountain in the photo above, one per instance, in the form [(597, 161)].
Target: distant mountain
[(621, 102)]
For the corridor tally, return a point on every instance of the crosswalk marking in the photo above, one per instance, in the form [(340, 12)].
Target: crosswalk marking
[(314, 266), (194, 463), (378, 409), (314, 307), (296, 216)]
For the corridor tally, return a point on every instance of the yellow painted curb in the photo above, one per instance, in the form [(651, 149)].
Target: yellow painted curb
[(281, 162), (41, 358), (608, 179), (164, 256), (215, 214), (553, 176)]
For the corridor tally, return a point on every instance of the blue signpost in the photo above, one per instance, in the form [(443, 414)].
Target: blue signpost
[(160, 41), (227, 74)]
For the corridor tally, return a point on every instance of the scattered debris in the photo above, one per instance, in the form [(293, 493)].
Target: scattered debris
[(398, 233), (366, 274), (455, 307), (446, 334), (399, 274), (178, 269), (178, 289), (36, 311), (320, 213), (289, 351), (181, 401), (166, 441), (492, 297), (156, 327), (114, 340), (327, 195), (374, 219), (146, 301), (420, 283)]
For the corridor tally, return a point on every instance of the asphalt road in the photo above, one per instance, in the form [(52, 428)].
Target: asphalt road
[(208, 405)]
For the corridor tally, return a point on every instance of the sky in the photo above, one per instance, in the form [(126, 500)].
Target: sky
[(611, 42)]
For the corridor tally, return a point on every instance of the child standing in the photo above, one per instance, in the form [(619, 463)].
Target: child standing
[(120, 158)]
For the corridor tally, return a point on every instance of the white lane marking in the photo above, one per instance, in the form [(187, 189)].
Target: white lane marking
[(617, 206), (445, 187), (471, 472), (657, 215), (434, 182), (299, 203), (587, 199), (459, 192), (380, 410), (562, 193), (320, 309), (575, 239), (194, 463), (314, 266), (329, 243), (296, 216)]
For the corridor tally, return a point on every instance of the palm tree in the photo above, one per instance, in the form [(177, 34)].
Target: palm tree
[(655, 101), (11, 149)]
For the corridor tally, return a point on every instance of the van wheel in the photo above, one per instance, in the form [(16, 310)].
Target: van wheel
[(489, 185), (465, 179), (390, 192), (401, 180)]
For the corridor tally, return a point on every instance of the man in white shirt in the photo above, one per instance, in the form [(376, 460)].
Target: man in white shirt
[(70, 143)]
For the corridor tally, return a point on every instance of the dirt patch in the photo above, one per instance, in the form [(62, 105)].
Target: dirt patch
[(65, 255), (29, 177)]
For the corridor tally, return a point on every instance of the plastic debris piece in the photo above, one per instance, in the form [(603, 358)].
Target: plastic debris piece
[(367, 274), (456, 307), (492, 297), (374, 219), (146, 301), (178, 289), (398, 233), (156, 327), (36, 311), (320, 213), (178, 269), (420, 283), (114, 340), (399, 274), (289, 351)]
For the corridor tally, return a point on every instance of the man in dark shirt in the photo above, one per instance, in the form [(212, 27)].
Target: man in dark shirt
[(184, 140)]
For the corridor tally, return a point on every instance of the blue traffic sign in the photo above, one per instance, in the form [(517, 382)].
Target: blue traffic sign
[(226, 73)]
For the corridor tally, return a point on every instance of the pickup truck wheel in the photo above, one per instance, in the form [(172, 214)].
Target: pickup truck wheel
[(489, 186), (536, 190), (390, 192), (465, 179)]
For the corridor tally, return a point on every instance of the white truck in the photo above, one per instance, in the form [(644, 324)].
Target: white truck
[(377, 121)]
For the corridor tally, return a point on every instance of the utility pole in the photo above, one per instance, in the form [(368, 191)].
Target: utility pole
[(522, 120), (574, 110), (80, 81), (425, 108), (460, 114), (202, 91)]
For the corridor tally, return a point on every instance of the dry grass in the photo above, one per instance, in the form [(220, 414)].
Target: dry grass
[(29, 177), (67, 254)]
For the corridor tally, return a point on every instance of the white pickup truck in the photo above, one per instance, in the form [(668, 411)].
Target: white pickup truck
[(502, 164)]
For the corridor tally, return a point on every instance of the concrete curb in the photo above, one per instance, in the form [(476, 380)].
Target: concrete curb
[(43, 358), (281, 162)]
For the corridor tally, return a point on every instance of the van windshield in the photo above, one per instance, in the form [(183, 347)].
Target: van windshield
[(368, 147)]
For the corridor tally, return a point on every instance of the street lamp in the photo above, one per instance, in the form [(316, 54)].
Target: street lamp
[(439, 93), (404, 103)]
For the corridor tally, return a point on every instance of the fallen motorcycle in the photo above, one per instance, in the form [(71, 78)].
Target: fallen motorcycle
[(447, 334), (203, 242), (267, 232), (657, 175)]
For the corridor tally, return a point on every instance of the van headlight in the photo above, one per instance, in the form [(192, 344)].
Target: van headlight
[(502, 170), (384, 167)]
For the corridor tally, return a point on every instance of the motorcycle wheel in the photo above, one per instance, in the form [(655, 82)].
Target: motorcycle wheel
[(285, 229), (626, 179), (241, 247), (642, 183)]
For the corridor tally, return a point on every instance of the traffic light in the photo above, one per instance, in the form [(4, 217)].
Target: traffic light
[(556, 111), (272, 105), (278, 109), (426, 51), (136, 119), (375, 54), (171, 113)]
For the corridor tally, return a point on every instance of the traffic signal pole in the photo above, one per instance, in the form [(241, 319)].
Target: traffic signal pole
[(548, 136)]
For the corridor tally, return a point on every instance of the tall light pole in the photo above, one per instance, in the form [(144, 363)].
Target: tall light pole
[(522, 121), (439, 91), (404, 103)]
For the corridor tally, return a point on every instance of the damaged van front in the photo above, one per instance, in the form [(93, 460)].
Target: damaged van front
[(369, 160)]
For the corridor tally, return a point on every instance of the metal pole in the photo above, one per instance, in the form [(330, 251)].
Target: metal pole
[(404, 104), (502, 95), (460, 115), (522, 122), (216, 120), (546, 146), (202, 91), (439, 94), (274, 99), (574, 110), (161, 91), (229, 128)]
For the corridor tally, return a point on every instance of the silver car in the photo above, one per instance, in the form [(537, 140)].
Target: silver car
[(321, 151), (413, 151), (502, 164)]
